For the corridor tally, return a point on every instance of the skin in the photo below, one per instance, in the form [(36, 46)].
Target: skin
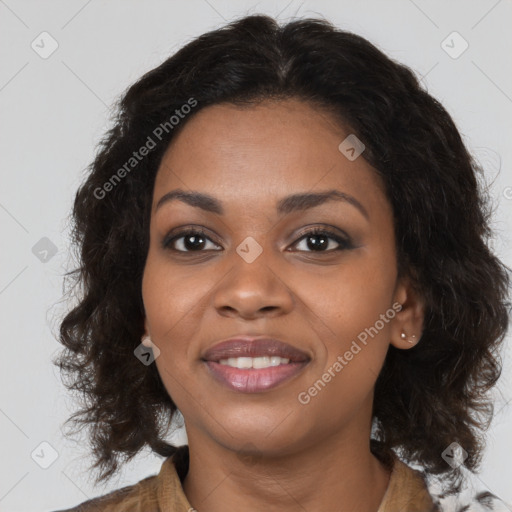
[(267, 451)]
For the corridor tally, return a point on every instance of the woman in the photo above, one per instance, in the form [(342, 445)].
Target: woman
[(282, 238)]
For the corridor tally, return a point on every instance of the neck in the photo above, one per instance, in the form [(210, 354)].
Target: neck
[(335, 474)]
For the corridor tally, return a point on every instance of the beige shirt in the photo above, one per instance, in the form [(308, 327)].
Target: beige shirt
[(406, 492)]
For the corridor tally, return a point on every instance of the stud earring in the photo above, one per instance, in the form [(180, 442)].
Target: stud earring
[(146, 341), (404, 336)]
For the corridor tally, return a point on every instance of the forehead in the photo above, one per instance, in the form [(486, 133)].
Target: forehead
[(256, 154)]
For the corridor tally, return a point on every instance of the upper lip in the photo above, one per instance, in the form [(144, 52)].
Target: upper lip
[(246, 346)]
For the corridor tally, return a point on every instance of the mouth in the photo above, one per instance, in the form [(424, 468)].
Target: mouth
[(253, 365)]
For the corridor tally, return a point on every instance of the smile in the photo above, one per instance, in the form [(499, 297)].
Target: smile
[(253, 365), (252, 379), (254, 362)]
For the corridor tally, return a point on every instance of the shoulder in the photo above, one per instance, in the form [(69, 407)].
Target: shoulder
[(412, 487), (152, 494), (407, 490), (128, 499)]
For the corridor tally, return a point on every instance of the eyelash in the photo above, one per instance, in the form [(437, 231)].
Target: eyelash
[(344, 243)]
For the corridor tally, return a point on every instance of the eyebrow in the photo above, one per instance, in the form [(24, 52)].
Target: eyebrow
[(286, 205)]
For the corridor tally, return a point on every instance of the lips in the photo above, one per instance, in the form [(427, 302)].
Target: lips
[(254, 347), (287, 362)]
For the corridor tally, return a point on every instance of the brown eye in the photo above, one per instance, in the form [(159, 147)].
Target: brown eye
[(321, 240), (189, 241)]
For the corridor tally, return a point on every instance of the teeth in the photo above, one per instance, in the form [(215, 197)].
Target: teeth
[(254, 362)]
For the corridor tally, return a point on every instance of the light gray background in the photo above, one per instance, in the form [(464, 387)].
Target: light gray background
[(53, 113)]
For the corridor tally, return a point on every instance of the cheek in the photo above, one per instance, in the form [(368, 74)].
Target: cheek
[(355, 341), (175, 302), (352, 309), (166, 313), (352, 297), (170, 295)]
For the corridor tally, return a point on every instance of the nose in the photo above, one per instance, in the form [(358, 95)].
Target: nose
[(253, 290)]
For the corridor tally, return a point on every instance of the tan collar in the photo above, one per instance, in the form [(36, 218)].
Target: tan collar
[(170, 495), (406, 492)]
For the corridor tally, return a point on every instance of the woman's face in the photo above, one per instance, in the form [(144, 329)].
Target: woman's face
[(253, 271)]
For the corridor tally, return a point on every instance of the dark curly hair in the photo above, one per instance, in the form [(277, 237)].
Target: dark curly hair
[(426, 397)]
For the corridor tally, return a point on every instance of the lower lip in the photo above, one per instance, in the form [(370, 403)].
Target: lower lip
[(252, 380)]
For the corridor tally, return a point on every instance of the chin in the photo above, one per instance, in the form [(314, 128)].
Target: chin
[(270, 434)]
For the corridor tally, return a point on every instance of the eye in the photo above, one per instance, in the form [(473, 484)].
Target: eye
[(322, 241), (191, 240), (196, 240)]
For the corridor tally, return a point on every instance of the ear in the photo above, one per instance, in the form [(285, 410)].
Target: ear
[(146, 337), (146, 326), (407, 325)]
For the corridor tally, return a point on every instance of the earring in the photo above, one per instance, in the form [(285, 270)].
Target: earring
[(146, 341), (412, 340)]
